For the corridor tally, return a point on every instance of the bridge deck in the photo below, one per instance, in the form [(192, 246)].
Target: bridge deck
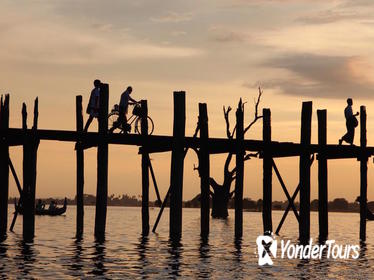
[(161, 143)]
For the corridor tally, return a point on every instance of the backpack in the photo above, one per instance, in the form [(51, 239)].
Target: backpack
[(354, 121), (88, 109)]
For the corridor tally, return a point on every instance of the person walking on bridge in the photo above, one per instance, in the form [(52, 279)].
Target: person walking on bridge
[(124, 102), (93, 104), (351, 123)]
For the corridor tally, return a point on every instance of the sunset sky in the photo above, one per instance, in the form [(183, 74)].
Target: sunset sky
[(216, 51)]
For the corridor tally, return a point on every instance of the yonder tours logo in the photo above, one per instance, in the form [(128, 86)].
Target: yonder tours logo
[(267, 247)]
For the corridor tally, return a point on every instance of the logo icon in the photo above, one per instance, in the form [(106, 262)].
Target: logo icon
[(266, 248)]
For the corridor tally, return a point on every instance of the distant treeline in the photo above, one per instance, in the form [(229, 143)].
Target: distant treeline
[(337, 205)]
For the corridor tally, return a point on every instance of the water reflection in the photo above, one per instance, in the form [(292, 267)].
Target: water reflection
[(174, 261), (128, 255), (142, 250), (238, 249), (99, 258), (304, 269), (322, 265), (26, 258), (3, 258), (205, 269), (363, 261), (76, 264)]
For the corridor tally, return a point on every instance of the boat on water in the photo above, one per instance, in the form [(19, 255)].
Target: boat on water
[(50, 212)]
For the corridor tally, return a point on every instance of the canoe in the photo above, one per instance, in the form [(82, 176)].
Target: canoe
[(53, 212)]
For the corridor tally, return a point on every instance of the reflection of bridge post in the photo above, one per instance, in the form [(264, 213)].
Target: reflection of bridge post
[(363, 174), (306, 123), (267, 172), (177, 164), (322, 176)]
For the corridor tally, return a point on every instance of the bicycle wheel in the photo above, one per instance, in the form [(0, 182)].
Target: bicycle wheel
[(112, 118), (151, 126)]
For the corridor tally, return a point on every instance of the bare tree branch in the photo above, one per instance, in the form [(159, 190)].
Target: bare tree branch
[(214, 184), (227, 164), (256, 117), (250, 155), (226, 113)]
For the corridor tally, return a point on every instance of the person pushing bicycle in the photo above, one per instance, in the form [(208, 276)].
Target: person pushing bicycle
[(124, 102)]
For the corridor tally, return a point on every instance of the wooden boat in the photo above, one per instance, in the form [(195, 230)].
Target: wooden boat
[(50, 212)]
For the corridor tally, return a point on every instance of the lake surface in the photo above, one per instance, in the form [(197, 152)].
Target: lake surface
[(56, 254)]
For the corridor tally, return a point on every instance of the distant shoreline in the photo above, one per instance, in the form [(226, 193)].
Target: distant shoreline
[(338, 205)]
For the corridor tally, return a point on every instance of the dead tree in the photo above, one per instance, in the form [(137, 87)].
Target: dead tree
[(221, 193)]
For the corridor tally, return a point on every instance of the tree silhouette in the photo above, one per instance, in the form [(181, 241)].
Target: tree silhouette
[(222, 193)]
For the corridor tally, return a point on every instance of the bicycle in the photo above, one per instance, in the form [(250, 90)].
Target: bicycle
[(135, 119)]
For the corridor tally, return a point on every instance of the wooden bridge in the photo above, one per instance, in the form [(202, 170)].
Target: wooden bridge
[(178, 144)]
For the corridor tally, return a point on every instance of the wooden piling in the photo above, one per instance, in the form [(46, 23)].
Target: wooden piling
[(177, 165), (80, 170), (102, 165), (239, 171), (267, 173), (145, 169), (304, 173), (204, 170), (30, 149), (4, 167), (363, 174), (27, 226), (322, 176)]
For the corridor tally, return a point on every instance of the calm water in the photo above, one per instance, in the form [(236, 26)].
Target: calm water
[(56, 254)]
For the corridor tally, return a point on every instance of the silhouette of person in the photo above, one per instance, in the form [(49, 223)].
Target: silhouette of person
[(40, 205), (52, 205), (93, 104), (351, 123), (123, 109)]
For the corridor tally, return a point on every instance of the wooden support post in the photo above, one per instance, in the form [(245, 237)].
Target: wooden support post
[(30, 149), (363, 174), (267, 173), (145, 169), (28, 227), (18, 184), (306, 128), (163, 205), (80, 170), (154, 181), (177, 164), (239, 171), (102, 165), (322, 176), (4, 168), (204, 170)]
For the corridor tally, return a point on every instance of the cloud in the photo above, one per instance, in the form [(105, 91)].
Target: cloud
[(178, 33), (357, 3), (45, 42), (330, 16), (172, 17), (224, 35), (343, 10), (322, 76)]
